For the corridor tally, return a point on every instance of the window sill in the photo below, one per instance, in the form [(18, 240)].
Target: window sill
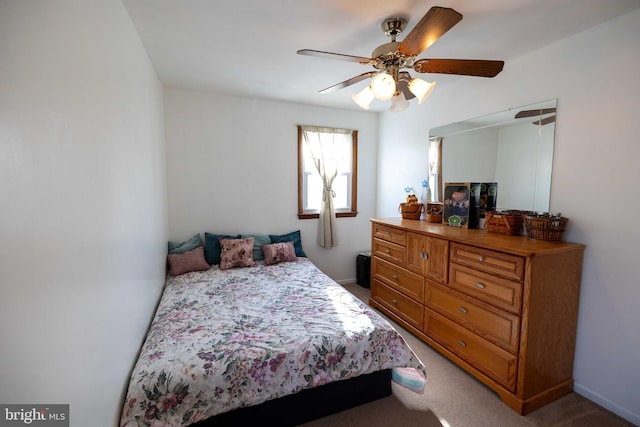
[(317, 215)]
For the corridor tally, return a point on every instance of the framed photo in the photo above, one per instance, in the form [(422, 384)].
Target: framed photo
[(457, 203)]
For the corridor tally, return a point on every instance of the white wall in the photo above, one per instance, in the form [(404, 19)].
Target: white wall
[(402, 158), (84, 222), (232, 168), (468, 157), (594, 75), (525, 166), (83, 204)]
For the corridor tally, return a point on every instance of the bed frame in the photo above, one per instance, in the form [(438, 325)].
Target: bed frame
[(309, 404)]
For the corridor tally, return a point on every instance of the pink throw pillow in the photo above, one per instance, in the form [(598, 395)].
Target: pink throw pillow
[(186, 262), (236, 253), (279, 252)]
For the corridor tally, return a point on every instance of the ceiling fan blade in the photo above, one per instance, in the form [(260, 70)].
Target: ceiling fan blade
[(466, 67), (545, 121), (534, 113), (338, 56), (346, 83), (403, 85), (436, 22)]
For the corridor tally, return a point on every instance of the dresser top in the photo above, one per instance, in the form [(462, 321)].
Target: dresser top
[(521, 245)]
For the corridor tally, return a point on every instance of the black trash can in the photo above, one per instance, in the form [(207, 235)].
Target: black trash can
[(363, 269)]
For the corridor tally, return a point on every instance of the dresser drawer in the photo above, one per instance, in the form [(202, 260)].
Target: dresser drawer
[(390, 234), (495, 325), (496, 363), (510, 266), (389, 251), (503, 293), (410, 284), (405, 308)]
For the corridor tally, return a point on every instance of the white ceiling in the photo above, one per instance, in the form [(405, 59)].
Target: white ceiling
[(248, 47)]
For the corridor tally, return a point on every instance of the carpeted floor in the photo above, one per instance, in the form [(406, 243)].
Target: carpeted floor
[(453, 398)]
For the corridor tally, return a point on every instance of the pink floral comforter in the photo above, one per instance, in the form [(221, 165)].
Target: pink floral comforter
[(221, 340)]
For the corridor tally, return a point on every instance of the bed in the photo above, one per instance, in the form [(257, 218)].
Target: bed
[(280, 342)]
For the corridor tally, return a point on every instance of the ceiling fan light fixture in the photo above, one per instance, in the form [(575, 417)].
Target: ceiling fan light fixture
[(421, 89), (390, 59), (383, 86), (398, 103), (364, 97)]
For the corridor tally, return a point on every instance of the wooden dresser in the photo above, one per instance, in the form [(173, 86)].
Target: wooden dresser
[(504, 308)]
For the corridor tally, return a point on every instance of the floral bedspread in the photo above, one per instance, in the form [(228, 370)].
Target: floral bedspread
[(226, 339)]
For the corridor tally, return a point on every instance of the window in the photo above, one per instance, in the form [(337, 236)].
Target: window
[(339, 146), (435, 168)]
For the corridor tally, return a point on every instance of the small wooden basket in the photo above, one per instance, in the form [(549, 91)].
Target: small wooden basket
[(507, 222), (410, 211), (434, 212), (545, 228)]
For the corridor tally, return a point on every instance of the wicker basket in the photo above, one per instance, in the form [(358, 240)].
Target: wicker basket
[(410, 211), (545, 228), (507, 222), (434, 212)]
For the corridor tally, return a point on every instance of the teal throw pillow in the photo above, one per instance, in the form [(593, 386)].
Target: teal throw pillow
[(294, 237), (258, 241), (186, 246), (212, 246)]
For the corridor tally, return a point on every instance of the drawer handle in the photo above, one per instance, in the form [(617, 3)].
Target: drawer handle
[(424, 255), (479, 285), (480, 258), (462, 343), (387, 234), (394, 302), (388, 252), (394, 277), (463, 310)]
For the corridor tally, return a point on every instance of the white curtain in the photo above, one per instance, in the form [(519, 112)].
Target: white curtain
[(323, 145), (435, 169)]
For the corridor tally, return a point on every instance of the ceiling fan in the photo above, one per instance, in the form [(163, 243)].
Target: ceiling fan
[(538, 113), (390, 80)]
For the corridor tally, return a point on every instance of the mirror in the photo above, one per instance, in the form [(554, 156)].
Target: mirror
[(513, 148)]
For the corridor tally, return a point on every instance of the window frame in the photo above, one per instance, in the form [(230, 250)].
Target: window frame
[(308, 214)]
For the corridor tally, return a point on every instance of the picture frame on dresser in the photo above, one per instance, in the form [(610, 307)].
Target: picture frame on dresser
[(457, 204)]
